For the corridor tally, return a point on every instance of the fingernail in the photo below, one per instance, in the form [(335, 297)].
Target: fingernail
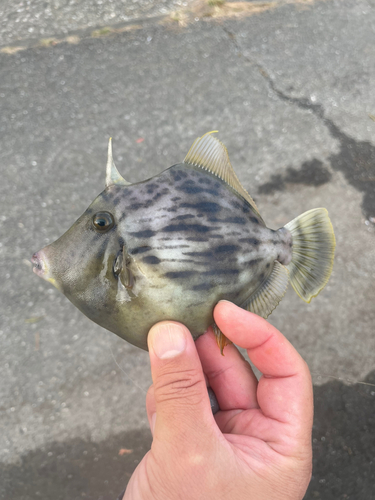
[(167, 340)]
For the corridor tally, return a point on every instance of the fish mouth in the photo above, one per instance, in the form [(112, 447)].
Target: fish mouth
[(39, 266)]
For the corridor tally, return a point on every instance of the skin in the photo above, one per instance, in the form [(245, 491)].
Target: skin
[(257, 447), (189, 241)]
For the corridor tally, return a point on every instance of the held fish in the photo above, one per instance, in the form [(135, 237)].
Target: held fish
[(171, 247)]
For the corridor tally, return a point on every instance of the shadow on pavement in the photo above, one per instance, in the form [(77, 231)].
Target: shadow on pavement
[(76, 470), (343, 443)]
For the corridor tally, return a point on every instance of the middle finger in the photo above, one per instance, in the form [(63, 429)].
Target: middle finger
[(230, 376)]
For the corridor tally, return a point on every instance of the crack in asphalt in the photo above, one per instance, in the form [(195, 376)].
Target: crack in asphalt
[(356, 159)]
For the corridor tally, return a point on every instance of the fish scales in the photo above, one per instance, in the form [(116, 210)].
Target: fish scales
[(174, 246)]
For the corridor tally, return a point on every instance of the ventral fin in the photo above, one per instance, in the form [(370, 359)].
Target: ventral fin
[(264, 300), (113, 176), (210, 154), (221, 339)]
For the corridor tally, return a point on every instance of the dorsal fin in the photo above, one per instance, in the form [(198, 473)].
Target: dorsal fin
[(113, 176), (210, 154)]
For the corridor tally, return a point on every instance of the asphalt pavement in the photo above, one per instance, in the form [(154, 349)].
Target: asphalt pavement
[(24, 21), (289, 86)]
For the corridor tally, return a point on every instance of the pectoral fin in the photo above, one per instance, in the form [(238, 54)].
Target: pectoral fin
[(264, 300), (126, 274)]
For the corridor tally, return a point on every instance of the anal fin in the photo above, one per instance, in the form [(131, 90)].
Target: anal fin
[(221, 339), (264, 300)]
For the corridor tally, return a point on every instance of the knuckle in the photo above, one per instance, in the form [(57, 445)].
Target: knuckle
[(151, 392), (186, 386), (150, 398)]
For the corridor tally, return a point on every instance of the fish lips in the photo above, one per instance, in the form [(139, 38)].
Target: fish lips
[(41, 267)]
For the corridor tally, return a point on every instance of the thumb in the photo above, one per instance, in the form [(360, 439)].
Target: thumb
[(180, 393)]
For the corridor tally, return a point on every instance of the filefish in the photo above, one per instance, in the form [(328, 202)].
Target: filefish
[(171, 247)]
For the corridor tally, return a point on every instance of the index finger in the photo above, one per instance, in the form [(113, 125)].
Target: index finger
[(284, 391)]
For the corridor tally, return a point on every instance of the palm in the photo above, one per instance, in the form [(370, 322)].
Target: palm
[(258, 436)]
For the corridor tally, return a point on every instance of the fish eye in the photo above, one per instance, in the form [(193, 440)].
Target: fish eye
[(103, 221)]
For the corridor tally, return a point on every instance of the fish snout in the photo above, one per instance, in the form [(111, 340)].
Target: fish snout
[(44, 266), (39, 263)]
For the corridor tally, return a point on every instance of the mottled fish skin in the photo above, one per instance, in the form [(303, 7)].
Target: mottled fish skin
[(171, 247), (190, 240)]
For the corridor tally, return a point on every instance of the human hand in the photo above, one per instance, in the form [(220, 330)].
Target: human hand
[(257, 447)]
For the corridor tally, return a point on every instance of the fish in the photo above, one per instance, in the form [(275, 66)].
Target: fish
[(172, 246)]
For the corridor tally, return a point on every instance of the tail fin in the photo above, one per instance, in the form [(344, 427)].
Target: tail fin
[(313, 251)]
